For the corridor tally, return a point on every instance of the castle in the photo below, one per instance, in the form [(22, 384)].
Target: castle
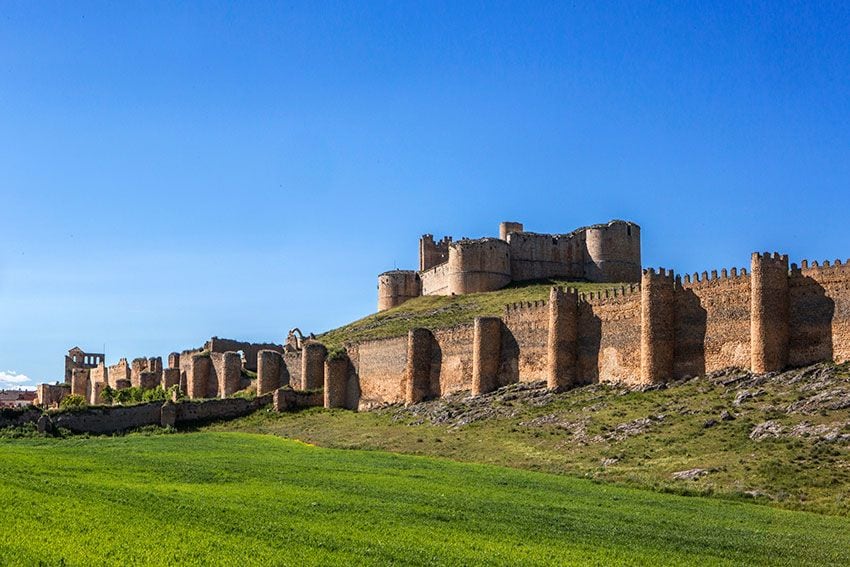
[(649, 327), (602, 253)]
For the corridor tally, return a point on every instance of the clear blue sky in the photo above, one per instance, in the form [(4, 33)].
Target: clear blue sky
[(171, 172)]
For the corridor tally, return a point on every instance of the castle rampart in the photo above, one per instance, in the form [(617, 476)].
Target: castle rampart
[(607, 252), (666, 327)]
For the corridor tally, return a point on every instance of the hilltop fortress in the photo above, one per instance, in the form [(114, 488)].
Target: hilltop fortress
[(602, 253), (650, 326)]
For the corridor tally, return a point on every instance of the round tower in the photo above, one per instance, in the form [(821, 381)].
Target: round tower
[(507, 227), (396, 287), (613, 252), (479, 265)]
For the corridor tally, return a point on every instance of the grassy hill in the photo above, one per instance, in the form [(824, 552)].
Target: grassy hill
[(435, 311), (781, 439), (226, 499)]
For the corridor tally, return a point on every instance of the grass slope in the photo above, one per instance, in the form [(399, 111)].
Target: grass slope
[(636, 438), (436, 311), (245, 499)]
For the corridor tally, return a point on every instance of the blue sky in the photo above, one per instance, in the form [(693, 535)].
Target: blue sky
[(172, 171)]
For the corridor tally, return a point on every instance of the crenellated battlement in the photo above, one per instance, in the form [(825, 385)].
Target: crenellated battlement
[(610, 295), (525, 306), (770, 259), (714, 277), (806, 265)]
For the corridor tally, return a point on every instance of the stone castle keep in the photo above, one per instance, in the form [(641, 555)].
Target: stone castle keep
[(650, 327), (602, 253)]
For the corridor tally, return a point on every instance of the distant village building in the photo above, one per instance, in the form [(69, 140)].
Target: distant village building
[(16, 398)]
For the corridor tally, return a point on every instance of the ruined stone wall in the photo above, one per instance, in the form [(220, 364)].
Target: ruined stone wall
[(249, 350), (99, 374), (196, 370), (138, 369), (118, 372), (819, 312), (712, 319), (380, 366), (207, 410), (610, 333), (170, 377), (227, 370), (50, 395), (112, 419), (451, 369), (524, 342), (290, 400), (291, 370), (269, 371)]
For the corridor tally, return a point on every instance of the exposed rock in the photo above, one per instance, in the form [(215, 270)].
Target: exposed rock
[(822, 432), (745, 395), (765, 430), (629, 429), (690, 474), (833, 399)]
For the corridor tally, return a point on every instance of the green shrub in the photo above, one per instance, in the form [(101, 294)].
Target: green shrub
[(335, 353), (154, 395), (72, 401)]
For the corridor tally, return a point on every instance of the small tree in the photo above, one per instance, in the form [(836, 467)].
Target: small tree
[(107, 395), (122, 396)]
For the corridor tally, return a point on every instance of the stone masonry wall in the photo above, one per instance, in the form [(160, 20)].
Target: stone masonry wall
[(819, 312), (524, 342), (611, 335), (712, 322), (452, 369), (381, 366)]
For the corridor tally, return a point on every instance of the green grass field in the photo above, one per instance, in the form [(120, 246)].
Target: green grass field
[(231, 498)]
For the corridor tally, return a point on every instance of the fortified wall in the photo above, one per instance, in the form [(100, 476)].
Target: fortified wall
[(607, 252), (666, 327), (659, 327)]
